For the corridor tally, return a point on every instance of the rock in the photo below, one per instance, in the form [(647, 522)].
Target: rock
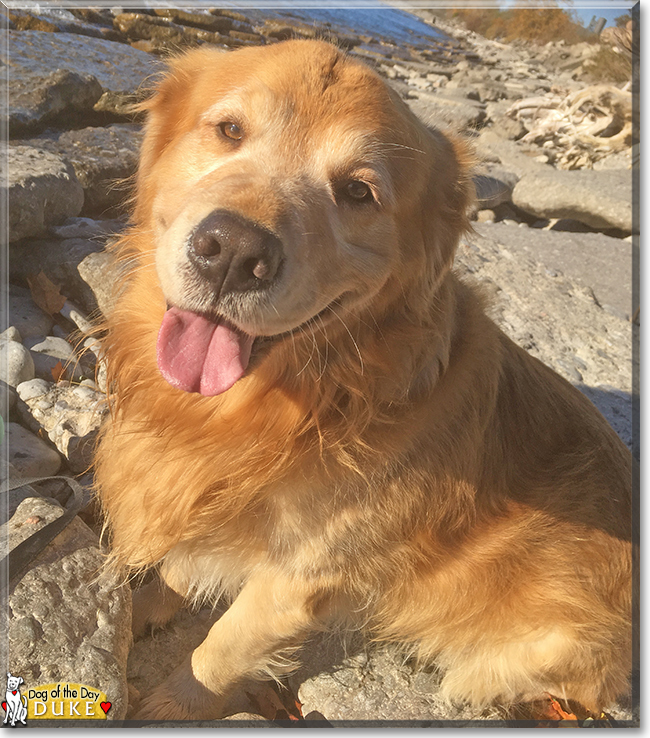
[(63, 22), (218, 24), (43, 98), (8, 397), (114, 73), (453, 112), (31, 456), (87, 228), (606, 271), (25, 315), (353, 681), (485, 216), (102, 159), (11, 334), (64, 622), (33, 388), (16, 363), (71, 416), (42, 189), (101, 272), (598, 199), (59, 261), (54, 357), (554, 317)]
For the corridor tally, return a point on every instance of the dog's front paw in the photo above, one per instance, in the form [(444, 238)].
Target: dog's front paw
[(154, 605), (181, 697)]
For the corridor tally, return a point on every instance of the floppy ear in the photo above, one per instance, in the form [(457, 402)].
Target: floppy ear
[(168, 115), (21, 680), (446, 201)]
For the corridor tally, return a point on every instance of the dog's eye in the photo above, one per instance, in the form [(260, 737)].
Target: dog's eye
[(355, 191), (231, 130)]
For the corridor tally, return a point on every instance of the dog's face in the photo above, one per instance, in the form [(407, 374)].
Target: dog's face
[(13, 682), (285, 187)]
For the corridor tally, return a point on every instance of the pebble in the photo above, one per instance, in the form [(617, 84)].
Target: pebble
[(31, 456), (33, 388), (16, 363), (11, 334), (51, 346)]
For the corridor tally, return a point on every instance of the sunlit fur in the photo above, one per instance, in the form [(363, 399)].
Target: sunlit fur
[(405, 464)]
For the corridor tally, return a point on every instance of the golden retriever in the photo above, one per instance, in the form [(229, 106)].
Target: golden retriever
[(315, 417)]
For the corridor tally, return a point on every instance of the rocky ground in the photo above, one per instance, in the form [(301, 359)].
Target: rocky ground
[(552, 247)]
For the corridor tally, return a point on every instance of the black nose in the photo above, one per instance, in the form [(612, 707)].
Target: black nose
[(235, 254)]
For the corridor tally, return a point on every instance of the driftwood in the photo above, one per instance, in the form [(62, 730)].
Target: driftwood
[(582, 127)]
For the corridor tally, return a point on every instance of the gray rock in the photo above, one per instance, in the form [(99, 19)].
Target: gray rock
[(553, 316), (16, 363), (87, 228), (31, 456), (54, 357), (33, 388), (102, 158), (113, 72), (599, 199), (38, 99), (52, 346), (593, 260), (353, 681), (59, 261), (8, 397), (455, 112), (42, 189), (11, 334), (71, 417), (64, 622), (25, 315), (101, 271)]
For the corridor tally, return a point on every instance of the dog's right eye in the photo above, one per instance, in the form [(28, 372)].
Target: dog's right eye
[(231, 130)]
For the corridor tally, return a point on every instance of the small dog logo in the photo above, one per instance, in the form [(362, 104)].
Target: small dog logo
[(14, 704)]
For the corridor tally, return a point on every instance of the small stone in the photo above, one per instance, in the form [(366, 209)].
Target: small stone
[(16, 363), (51, 346), (31, 456), (11, 334), (33, 388), (485, 216)]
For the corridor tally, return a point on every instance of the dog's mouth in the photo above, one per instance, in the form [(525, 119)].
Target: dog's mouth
[(207, 354)]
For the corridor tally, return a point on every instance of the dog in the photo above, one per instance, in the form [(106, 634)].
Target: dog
[(314, 417), (16, 704)]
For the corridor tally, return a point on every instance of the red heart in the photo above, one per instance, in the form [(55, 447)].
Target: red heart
[(14, 692), (4, 705), (106, 706)]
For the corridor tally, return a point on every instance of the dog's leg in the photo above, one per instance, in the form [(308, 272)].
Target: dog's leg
[(154, 604), (269, 615)]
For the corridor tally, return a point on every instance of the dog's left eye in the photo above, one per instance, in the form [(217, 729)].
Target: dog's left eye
[(355, 191), (231, 130)]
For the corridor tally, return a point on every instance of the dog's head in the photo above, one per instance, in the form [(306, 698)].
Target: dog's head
[(13, 682), (286, 187)]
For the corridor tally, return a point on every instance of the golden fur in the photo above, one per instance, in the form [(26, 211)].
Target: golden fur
[(401, 461)]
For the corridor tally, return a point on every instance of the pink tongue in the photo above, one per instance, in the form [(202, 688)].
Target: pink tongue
[(197, 355)]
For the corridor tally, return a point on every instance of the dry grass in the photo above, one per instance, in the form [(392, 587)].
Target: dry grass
[(608, 65), (538, 25)]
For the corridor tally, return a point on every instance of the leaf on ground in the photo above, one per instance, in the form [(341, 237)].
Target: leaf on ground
[(555, 709), (57, 371), (45, 294), (273, 705)]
